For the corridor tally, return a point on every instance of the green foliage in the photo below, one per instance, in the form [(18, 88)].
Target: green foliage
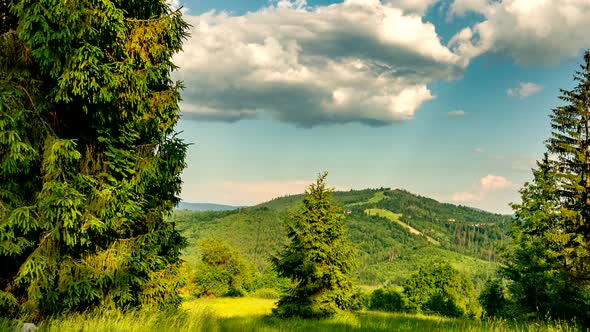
[(440, 288), (318, 258), (493, 299), (387, 254), (548, 259), (266, 293), (222, 271), (89, 160), (387, 299)]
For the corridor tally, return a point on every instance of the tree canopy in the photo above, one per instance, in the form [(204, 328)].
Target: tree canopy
[(548, 259), (89, 160)]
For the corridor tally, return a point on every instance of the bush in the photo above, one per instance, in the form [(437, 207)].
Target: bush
[(222, 271), (445, 307), (438, 287), (386, 299)]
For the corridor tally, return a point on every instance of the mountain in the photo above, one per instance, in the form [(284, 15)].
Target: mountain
[(394, 231), (204, 207)]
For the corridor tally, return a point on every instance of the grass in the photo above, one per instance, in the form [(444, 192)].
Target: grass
[(250, 314), (379, 196), (395, 217)]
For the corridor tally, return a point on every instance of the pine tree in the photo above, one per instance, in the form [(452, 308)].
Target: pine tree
[(570, 143), (89, 160), (531, 257), (317, 260), (548, 258)]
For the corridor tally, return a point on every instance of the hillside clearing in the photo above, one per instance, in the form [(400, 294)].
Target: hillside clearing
[(395, 217)]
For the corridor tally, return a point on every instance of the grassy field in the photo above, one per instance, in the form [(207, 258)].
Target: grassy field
[(379, 196), (395, 217), (249, 314)]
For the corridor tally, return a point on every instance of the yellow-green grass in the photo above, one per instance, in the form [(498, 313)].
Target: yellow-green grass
[(233, 307), (395, 217), (249, 314), (379, 196)]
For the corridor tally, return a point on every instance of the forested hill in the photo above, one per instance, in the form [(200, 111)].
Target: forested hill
[(394, 230)]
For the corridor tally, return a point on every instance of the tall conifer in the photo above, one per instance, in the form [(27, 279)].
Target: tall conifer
[(89, 160), (318, 259)]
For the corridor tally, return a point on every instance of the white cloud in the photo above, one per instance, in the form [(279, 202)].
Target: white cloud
[(174, 4), (524, 90), (357, 61), (487, 185), (461, 7), (529, 31), (494, 182), (456, 113), (412, 6)]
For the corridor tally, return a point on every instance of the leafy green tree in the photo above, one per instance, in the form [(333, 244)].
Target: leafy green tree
[(318, 259), (89, 160), (222, 270), (440, 288), (493, 299)]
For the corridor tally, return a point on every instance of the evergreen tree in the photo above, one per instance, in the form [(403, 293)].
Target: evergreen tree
[(318, 259), (570, 144), (548, 258), (89, 160)]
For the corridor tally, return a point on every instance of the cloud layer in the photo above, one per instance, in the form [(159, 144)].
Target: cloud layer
[(357, 61)]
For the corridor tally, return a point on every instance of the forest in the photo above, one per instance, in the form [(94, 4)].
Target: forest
[(91, 239)]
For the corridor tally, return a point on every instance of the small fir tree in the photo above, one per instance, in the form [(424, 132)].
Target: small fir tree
[(318, 259)]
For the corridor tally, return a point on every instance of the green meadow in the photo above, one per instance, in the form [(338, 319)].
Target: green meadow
[(252, 314)]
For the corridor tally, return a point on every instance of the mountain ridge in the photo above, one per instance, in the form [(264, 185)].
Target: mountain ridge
[(388, 251)]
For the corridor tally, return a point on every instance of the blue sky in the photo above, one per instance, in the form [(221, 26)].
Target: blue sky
[(447, 99)]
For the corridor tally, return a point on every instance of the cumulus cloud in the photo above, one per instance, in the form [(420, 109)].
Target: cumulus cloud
[(531, 32), (494, 182), (456, 113), (524, 90), (362, 61), (412, 6), (487, 184)]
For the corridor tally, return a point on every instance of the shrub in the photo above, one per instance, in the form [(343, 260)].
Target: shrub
[(386, 299)]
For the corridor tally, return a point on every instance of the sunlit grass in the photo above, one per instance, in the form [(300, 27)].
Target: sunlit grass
[(251, 314), (233, 307)]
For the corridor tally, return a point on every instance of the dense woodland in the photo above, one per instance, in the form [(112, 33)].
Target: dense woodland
[(90, 166)]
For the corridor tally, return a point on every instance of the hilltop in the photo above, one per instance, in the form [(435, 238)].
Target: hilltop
[(394, 230)]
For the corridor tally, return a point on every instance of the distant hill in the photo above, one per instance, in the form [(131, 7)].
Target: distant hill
[(204, 207), (395, 232)]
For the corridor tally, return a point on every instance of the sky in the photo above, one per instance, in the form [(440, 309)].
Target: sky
[(447, 99)]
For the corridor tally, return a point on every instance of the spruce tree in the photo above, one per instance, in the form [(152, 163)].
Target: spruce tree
[(548, 258), (318, 258), (570, 144), (89, 160)]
